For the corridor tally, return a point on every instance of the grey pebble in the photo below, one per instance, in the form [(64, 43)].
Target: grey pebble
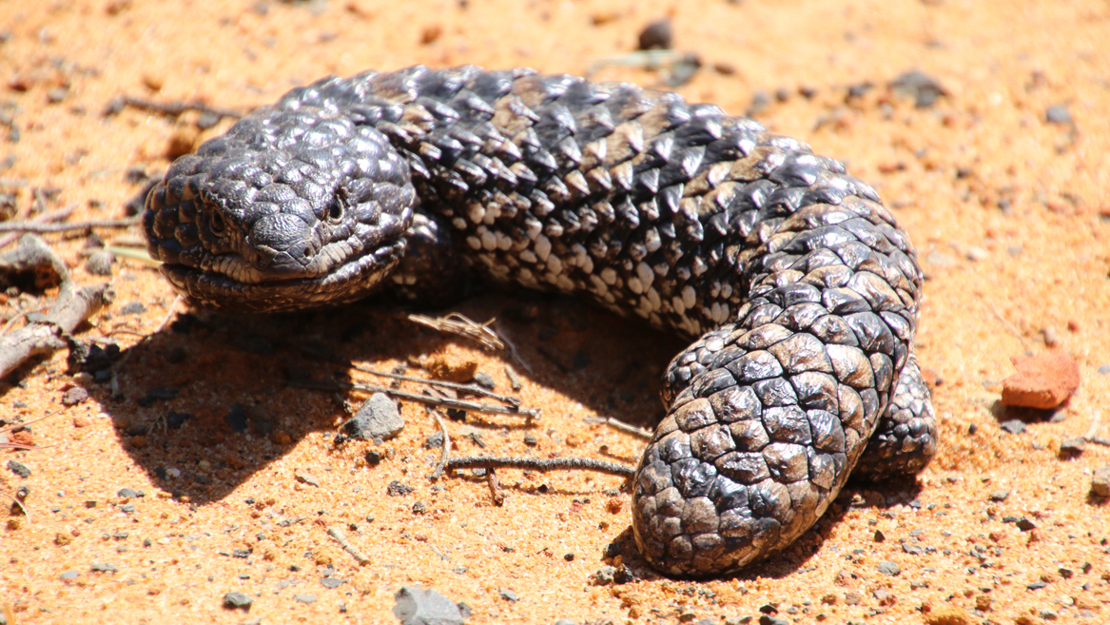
[(1013, 426), (1058, 114), (886, 567), (508, 595), (398, 489), (417, 606), (19, 469), (767, 619), (531, 440), (922, 87), (999, 495), (70, 574), (1048, 615), (1024, 524), (304, 598), (99, 263), (434, 440), (306, 477), (1072, 447), (104, 567), (332, 582), (1103, 370), (565, 621), (378, 417), (485, 380), (74, 396), (133, 308), (658, 35), (236, 418), (1100, 482), (238, 600)]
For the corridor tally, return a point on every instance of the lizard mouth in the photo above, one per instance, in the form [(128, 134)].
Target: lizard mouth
[(354, 279)]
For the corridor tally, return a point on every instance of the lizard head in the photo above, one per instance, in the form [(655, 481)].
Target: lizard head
[(288, 210)]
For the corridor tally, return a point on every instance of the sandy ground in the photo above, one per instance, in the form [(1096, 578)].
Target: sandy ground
[(1008, 211)]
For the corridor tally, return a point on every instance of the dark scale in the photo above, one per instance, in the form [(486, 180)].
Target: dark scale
[(797, 287)]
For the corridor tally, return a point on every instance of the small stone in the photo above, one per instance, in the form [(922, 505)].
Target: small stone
[(434, 440), (306, 477), (1024, 524), (419, 508), (1100, 482), (1044, 381), (658, 35), (378, 417), (398, 489), (70, 574), (238, 600), (772, 620), (999, 495), (508, 595), (74, 396), (886, 567), (104, 567), (485, 380), (852, 597), (923, 88), (19, 469), (127, 493), (1058, 114), (976, 254), (99, 263), (1072, 447), (304, 598), (1051, 339), (418, 606), (531, 440), (133, 308), (236, 418), (1013, 426), (1047, 614), (332, 583)]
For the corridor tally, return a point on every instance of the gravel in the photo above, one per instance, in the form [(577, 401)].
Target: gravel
[(418, 606), (377, 418)]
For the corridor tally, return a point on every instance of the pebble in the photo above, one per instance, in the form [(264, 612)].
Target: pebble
[(508, 595), (306, 477), (378, 417), (922, 87), (434, 440), (70, 574), (236, 418), (1044, 381), (999, 495), (332, 583), (99, 263), (1013, 426), (128, 493), (658, 35), (772, 620), (104, 567), (74, 396), (304, 598), (238, 600), (133, 308), (886, 567), (1058, 114), (19, 469), (418, 606), (1100, 482), (531, 440), (398, 489), (1072, 447), (485, 380)]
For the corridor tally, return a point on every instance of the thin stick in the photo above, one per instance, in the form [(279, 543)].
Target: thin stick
[(470, 388), (171, 109), (337, 534), (622, 426), (541, 464), (461, 325), (495, 488), (42, 228), (445, 402), (41, 218)]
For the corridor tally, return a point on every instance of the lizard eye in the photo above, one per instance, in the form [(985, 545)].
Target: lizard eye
[(336, 212), (217, 224)]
